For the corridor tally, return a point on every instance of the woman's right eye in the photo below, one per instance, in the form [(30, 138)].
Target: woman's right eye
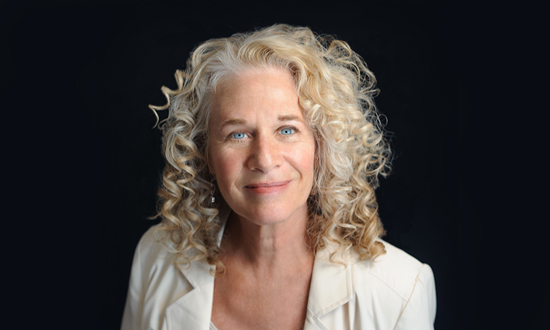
[(238, 135)]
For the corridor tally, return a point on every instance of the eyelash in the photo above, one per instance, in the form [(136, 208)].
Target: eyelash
[(293, 129)]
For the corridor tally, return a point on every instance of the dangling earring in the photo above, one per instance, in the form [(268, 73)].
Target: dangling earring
[(212, 190)]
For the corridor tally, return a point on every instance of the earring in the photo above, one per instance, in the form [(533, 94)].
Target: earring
[(212, 190)]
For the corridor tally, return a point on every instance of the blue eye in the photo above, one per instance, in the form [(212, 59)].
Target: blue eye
[(238, 136), (287, 131)]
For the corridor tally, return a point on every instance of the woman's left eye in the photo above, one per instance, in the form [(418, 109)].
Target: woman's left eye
[(286, 131)]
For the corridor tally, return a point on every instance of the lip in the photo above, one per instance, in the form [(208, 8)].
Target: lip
[(267, 187)]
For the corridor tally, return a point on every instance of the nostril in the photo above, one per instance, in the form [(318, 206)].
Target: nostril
[(264, 160)]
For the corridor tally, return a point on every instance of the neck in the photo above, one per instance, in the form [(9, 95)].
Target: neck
[(275, 247)]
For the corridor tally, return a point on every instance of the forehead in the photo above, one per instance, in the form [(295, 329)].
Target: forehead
[(267, 92)]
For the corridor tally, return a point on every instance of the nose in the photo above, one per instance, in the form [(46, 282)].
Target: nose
[(265, 155)]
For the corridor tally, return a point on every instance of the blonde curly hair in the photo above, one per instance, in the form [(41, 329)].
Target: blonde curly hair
[(336, 94)]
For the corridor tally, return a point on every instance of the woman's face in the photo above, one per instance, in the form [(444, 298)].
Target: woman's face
[(261, 150)]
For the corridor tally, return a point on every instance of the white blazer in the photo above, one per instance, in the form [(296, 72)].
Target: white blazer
[(395, 291)]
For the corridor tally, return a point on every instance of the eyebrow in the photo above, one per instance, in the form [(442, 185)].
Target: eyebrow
[(290, 118), (232, 122), (238, 121)]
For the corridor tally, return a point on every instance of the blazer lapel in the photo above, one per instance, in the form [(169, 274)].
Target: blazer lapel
[(331, 286), (193, 311)]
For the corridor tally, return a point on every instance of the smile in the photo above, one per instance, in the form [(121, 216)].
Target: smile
[(267, 187)]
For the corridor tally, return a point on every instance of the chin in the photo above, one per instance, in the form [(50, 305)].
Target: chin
[(271, 214)]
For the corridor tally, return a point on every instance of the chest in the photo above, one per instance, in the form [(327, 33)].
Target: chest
[(244, 302)]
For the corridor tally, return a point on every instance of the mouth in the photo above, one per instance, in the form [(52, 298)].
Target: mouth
[(267, 187)]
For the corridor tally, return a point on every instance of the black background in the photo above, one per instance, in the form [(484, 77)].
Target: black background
[(94, 68)]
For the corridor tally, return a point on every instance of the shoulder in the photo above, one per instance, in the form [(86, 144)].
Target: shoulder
[(148, 248), (151, 256), (156, 282), (393, 291), (395, 271)]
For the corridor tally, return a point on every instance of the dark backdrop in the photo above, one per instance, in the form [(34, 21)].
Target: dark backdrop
[(404, 45), (429, 62)]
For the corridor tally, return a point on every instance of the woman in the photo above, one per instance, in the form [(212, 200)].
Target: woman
[(269, 220)]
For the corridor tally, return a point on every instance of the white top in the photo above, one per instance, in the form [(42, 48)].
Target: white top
[(395, 291)]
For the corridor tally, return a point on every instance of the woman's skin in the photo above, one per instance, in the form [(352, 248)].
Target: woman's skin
[(261, 152)]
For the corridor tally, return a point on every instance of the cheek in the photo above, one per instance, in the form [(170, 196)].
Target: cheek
[(218, 161), (305, 159), (224, 166)]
